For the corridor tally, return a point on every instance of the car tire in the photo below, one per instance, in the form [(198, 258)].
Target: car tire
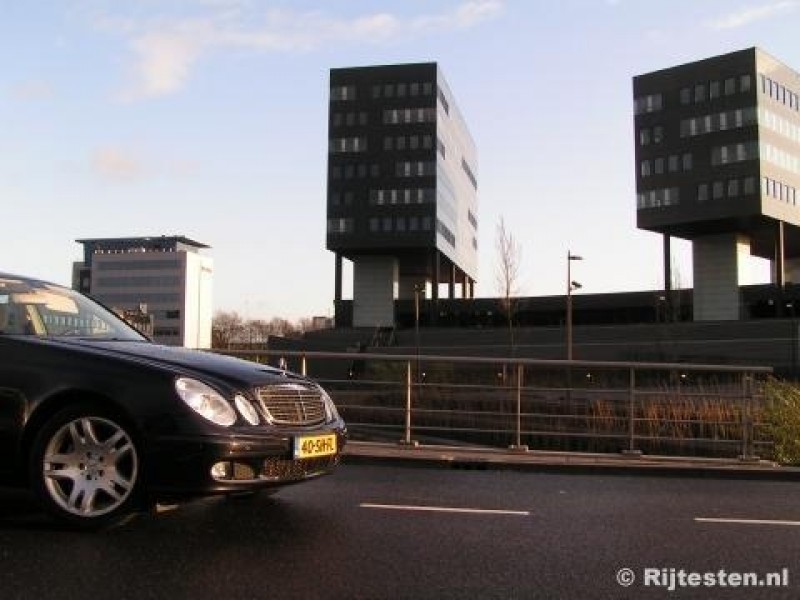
[(86, 467)]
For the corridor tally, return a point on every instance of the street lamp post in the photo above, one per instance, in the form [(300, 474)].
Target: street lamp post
[(571, 286), (419, 291)]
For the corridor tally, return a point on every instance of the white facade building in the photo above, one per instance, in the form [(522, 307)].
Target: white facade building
[(167, 276)]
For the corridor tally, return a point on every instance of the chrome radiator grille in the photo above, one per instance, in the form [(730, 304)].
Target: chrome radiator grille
[(292, 404)]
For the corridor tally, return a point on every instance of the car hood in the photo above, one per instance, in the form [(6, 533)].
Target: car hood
[(199, 361)]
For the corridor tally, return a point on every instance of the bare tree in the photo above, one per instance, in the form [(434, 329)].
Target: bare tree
[(226, 328), (509, 255)]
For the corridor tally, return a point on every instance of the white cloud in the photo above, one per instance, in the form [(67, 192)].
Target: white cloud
[(746, 16), (115, 164), (165, 52), (163, 62)]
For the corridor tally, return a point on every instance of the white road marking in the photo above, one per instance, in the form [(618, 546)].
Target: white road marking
[(445, 509), (748, 521)]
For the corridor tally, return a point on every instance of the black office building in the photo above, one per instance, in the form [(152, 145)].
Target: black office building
[(718, 163), (402, 190)]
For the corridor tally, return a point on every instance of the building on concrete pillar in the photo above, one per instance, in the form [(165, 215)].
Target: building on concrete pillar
[(718, 163), (402, 189)]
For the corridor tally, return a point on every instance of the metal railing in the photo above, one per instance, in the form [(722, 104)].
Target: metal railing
[(653, 408)]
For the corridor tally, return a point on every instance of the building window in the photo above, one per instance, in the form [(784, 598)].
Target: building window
[(658, 134), (745, 83), (713, 89), (648, 104), (686, 159), (674, 163), (733, 188), (702, 192), (717, 190), (445, 232), (340, 226), (347, 145), (444, 102), (749, 185), (644, 136), (373, 224), (700, 92), (343, 92), (469, 173), (730, 86), (645, 168), (686, 95), (659, 166)]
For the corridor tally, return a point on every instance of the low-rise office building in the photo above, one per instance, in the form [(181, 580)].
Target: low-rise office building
[(167, 277)]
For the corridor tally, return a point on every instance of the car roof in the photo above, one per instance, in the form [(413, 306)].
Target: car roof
[(28, 280)]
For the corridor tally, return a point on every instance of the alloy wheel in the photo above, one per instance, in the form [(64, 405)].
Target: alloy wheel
[(90, 466)]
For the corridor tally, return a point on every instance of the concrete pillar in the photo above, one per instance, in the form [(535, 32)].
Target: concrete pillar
[(717, 261), (374, 290)]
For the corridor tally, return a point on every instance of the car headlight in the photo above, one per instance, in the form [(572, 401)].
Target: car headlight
[(206, 401), (246, 409), (330, 408)]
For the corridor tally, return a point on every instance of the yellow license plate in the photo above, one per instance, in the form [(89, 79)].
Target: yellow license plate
[(314, 445)]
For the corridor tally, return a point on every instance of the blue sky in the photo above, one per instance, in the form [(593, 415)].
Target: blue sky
[(208, 118)]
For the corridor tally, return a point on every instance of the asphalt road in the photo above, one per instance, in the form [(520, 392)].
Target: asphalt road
[(373, 532)]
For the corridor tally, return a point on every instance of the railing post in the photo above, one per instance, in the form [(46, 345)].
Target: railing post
[(303, 366), (748, 451), (406, 441), (518, 438), (631, 450)]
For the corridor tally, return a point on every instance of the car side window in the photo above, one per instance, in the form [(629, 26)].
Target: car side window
[(15, 320)]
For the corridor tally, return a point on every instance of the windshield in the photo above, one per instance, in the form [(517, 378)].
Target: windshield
[(42, 309)]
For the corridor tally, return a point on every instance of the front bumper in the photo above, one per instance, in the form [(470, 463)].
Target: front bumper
[(224, 463)]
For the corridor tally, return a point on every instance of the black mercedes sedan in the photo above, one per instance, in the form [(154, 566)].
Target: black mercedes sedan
[(99, 422)]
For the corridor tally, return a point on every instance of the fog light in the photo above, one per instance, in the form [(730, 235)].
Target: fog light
[(243, 471), (222, 470)]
